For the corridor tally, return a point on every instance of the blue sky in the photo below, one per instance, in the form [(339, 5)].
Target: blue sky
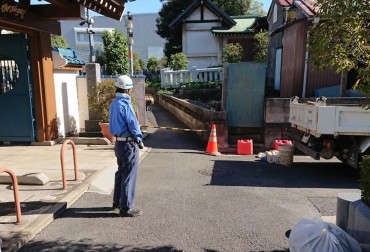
[(152, 6)]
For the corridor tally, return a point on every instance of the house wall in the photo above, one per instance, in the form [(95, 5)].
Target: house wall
[(321, 79), (66, 102), (275, 42), (83, 107), (294, 49), (147, 43), (199, 44)]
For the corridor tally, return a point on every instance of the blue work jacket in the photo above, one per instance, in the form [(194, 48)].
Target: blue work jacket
[(123, 121)]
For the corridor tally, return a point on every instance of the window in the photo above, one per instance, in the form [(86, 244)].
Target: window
[(82, 37), (278, 68), (274, 15)]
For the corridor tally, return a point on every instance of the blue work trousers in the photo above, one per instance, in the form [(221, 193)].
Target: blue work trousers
[(127, 154)]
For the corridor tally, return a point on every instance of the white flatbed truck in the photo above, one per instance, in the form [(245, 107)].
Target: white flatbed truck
[(324, 131)]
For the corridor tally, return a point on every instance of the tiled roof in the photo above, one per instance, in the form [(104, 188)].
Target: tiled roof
[(307, 7), (70, 55), (285, 3), (244, 25)]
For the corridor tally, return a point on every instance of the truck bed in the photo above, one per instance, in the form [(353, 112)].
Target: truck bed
[(317, 118)]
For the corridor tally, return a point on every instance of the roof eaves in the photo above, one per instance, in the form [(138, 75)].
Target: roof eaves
[(211, 6), (185, 13), (286, 25)]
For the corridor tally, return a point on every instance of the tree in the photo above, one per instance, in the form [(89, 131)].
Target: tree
[(138, 63), (340, 39), (152, 64), (261, 46), (58, 41), (232, 53), (179, 61), (256, 8), (116, 52), (172, 8)]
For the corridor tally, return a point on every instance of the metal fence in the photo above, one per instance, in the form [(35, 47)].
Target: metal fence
[(174, 79)]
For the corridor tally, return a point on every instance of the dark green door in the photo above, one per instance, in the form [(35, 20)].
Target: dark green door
[(16, 119)]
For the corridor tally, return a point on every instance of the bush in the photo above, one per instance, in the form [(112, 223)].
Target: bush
[(365, 179), (202, 85), (261, 47), (101, 96), (232, 53), (152, 64), (179, 61)]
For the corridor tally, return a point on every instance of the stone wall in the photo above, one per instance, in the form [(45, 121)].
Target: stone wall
[(91, 125), (196, 117)]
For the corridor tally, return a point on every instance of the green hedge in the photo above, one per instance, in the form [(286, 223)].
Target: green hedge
[(365, 179)]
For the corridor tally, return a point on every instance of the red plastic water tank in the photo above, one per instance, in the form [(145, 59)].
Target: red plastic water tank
[(281, 142), (245, 147)]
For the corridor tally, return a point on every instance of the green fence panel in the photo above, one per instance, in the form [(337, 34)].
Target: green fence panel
[(245, 92)]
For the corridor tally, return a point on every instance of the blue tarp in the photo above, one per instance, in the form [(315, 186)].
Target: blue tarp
[(333, 91)]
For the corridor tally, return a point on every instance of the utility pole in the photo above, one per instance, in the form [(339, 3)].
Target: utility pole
[(90, 32), (130, 40)]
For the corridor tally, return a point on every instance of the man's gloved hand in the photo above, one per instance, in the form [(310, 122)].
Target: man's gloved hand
[(140, 144)]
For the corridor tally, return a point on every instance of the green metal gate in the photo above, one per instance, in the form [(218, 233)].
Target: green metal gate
[(16, 119), (245, 93)]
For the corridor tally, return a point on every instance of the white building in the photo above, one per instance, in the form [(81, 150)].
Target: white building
[(147, 43)]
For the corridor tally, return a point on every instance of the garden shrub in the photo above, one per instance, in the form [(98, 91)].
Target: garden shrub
[(365, 179), (179, 61)]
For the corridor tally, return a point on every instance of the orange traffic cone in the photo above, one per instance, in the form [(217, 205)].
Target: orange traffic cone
[(212, 142)]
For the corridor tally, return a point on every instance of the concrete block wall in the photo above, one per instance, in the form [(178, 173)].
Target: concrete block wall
[(276, 120), (196, 117)]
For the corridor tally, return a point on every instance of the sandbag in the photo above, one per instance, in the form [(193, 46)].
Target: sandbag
[(313, 235)]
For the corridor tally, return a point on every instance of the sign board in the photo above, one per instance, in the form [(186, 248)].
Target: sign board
[(12, 10)]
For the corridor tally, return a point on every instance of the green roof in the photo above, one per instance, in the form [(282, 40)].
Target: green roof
[(243, 25)]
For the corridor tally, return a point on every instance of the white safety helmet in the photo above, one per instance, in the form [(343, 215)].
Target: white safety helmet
[(124, 82)]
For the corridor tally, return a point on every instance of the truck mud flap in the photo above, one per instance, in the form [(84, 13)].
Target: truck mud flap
[(353, 156), (314, 154)]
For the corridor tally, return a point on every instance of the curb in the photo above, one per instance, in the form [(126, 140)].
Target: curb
[(42, 221), (51, 213)]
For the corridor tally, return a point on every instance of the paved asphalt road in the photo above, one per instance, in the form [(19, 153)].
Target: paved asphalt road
[(196, 202)]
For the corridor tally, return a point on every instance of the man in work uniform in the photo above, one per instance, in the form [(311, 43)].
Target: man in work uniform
[(124, 126)]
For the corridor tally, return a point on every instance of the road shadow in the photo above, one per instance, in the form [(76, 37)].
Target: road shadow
[(89, 245), (298, 175), (89, 212), (169, 138)]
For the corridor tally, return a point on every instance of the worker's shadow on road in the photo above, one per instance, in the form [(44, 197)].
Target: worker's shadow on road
[(89, 212)]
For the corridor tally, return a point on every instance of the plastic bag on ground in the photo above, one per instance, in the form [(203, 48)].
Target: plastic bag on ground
[(313, 235)]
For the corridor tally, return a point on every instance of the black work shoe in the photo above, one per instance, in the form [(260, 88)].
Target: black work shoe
[(115, 205), (131, 212)]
